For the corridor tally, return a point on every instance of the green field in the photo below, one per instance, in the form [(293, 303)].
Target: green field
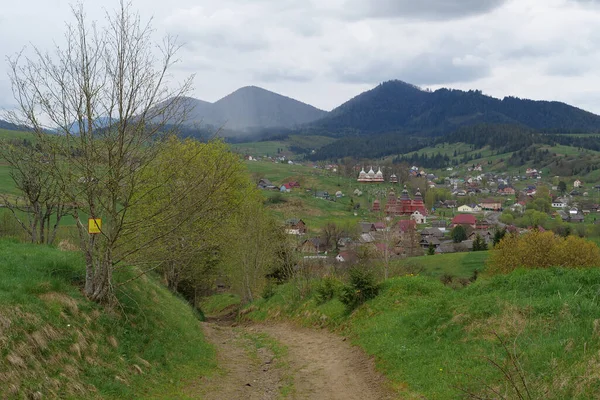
[(8, 134), (257, 149), (460, 265), (437, 342), (55, 342), (282, 147)]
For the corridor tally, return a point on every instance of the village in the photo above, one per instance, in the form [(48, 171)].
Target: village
[(463, 212)]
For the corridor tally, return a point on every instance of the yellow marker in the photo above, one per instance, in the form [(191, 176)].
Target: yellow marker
[(94, 225)]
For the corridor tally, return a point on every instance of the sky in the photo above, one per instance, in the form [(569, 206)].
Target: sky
[(324, 52)]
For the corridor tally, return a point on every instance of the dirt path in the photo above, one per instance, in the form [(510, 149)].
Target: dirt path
[(281, 361)]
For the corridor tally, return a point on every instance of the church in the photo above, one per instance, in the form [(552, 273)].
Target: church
[(404, 205), (371, 176)]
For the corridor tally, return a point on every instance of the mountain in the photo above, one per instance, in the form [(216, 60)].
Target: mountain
[(10, 126), (402, 108), (251, 109)]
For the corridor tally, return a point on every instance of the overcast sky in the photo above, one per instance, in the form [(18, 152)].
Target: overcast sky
[(324, 52)]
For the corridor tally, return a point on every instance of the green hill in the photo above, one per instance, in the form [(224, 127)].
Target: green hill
[(433, 341), (56, 344)]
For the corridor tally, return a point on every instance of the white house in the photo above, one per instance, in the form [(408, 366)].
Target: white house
[(418, 217), (573, 211), (465, 209), (558, 204), (577, 183)]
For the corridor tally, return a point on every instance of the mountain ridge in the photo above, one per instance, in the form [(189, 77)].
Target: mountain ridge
[(250, 108), (396, 106)]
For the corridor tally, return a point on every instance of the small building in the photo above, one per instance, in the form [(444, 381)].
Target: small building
[(491, 204), (285, 188), (313, 245), (266, 184), (295, 226), (366, 227), (465, 220), (418, 217), (577, 184), (465, 209)]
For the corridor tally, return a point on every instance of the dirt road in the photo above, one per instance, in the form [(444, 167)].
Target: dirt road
[(279, 361)]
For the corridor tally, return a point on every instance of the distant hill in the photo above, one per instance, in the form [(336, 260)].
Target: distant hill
[(10, 126), (399, 107), (251, 109)]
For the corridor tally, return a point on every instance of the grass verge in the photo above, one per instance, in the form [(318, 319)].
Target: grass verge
[(438, 342), (56, 343)]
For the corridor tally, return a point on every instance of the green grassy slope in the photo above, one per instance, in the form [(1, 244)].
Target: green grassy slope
[(55, 342), (435, 342)]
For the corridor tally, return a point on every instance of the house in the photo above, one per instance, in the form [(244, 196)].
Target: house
[(577, 218), (294, 184), (450, 203), (339, 194), (266, 184), (573, 210), (440, 223), (465, 209), (445, 248), (507, 191), (295, 226), (465, 220), (430, 241), (313, 245), (285, 188), (380, 226), (487, 235), (491, 204), (407, 225), (322, 195), (366, 227), (577, 184), (367, 237), (347, 257), (432, 232), (418, 217), (559, 204)]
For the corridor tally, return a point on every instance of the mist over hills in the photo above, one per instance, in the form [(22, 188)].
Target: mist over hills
[(252, 108)]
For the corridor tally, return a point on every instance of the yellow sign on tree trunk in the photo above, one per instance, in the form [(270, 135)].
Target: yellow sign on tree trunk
[(94, 225)]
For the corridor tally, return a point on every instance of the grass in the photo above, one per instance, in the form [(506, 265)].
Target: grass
[(57, 343), (460, 265), (257, 149), (218, 303), (258, 341), (433, 341)]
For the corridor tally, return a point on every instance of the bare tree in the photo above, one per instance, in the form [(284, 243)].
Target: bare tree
[(39, 207), (108, 92)]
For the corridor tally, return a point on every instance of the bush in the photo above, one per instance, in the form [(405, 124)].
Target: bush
[(327, 289), (362, 287), (269, 289), (542, 250)]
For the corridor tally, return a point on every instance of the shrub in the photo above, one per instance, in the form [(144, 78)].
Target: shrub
[(268, 290), (542, 250), (327, 289), (362, 287)]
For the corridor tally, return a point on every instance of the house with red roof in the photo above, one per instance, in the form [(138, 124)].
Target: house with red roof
[(465, 220), (406, 225)]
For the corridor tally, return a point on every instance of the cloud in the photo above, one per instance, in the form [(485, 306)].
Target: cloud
[(425, 69), (420, 9)]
